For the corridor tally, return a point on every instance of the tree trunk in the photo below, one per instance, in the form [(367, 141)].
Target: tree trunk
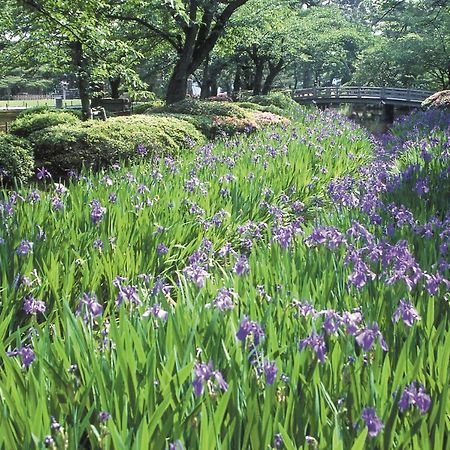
[(206, 82), (237, 82), (274, 70), (82, 73), (177, 88), (214, 88), (115, 84), (259, 73)]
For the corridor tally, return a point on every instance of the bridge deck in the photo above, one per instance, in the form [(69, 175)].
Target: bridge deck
[(365, 94)]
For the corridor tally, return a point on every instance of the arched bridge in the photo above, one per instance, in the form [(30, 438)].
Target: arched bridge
[(362, 95)]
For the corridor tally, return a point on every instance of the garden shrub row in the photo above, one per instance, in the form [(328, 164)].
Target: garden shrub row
[(99, 144), (60, 141), (16, 159), (27, 124)]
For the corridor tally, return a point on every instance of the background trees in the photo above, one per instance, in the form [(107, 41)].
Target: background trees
[(106, 46)]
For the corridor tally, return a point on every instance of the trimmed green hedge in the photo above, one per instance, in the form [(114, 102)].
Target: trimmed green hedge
[(256, 107), (216, 119), (279, 99), (99, 144), (142, 108), (16, 158), (29, 123), (203, 108)]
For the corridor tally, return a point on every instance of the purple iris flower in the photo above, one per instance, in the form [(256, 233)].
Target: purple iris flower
[(317, 343), (48, 441), (97, 211), (224, 299), (197, 274), (104, 416), (42, 173), (270, 370), (141, 150), (128, 292), (57, 203), (241, 267), (34, 196), (277, 440), (205, 372), (24, 248), (156, 312), (352, 321), (26, 353), (407, 312), (332, 321), (250, 327), (373, 422), (414, 396), (33, 306), (98, 244), (90, 306), (366, 338), (161, 249)]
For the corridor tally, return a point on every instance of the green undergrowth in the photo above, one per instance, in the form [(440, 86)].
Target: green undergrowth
[(139, 368)]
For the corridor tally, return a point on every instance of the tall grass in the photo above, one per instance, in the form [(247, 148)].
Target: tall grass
[(243, 215)]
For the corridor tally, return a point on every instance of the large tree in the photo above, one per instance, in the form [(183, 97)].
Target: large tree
[(191, 27), (67, 36)]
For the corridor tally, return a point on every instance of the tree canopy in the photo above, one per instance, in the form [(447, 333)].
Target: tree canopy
[(106, 46)]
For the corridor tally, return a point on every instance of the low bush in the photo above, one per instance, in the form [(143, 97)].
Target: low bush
[(29, 123), (99, 144), (216, 119), (204, 108), (142, 108), (279, 99), (256, 107), (32, 111), (16, 158)]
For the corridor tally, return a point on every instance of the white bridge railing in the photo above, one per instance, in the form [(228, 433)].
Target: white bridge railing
[(361, 92)]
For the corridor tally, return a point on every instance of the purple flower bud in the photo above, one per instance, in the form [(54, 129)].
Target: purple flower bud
[(373, 422), (24, 248), (104, 416)]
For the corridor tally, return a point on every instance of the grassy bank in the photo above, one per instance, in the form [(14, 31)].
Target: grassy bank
[(241, 296)]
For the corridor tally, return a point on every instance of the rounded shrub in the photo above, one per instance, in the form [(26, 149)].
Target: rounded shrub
[(16, 158), (281, 100), (142, 108), (99, 144), (204, 108), (256, 107), (29, 123)]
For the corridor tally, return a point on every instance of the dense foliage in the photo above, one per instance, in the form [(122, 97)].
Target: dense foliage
[(29, 123), (16, 159), (102, 143), (287, 289)]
